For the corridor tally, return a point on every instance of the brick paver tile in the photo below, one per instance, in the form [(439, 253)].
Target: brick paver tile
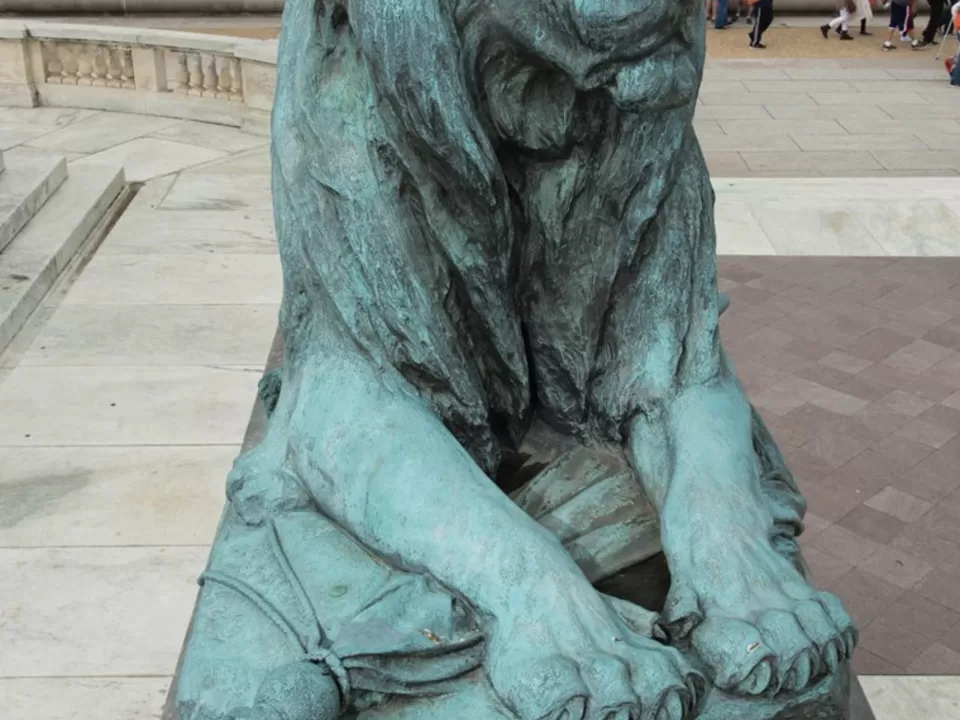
[(942, 416), (953, 401), (901, 452), (740, 271), (936, 660), (866, 290), (889, 376), (830, 503), (918, 357), (787, 362), (805, 348), (855, 385), (892, 642), (813, 525), (761, 342), (802, 424), (871, 524), (906, 403), (846, 545), (924, 617), (834, 447), (866, 596), (803, 294), (947, 372), (805, 466), (734, 328), (926, 433), (905, 297), (827, 570), (839, 402), (839, 360), (866, 663), (942, 587), (934, 477), (877, 345), (948, 337), (950, 636), (918, 541), (901, 505), (853, 325), (855, 427), (943, 520), (855, 476), (785, 396), (932, 386), (881, 418), (896, 567)]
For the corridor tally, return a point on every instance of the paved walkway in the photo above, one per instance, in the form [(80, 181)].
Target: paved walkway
[(125, 399), (124, 405), (854, 363), (834, 118)]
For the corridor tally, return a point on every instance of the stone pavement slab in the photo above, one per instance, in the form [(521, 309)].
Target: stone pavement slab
[(111, 496), (763, 106), (107, 509), (867, 217), (60, 606), (82, 698)]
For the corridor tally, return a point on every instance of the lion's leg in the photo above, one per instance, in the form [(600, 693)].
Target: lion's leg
[(376, 459), (747, 610)]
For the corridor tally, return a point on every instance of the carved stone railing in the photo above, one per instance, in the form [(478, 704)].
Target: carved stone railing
[(213, 78)]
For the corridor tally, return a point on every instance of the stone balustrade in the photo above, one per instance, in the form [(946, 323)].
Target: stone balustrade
[(213, 78)]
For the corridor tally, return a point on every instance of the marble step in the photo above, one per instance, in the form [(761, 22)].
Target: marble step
[(1, 162), (39, 253), (26, 183)]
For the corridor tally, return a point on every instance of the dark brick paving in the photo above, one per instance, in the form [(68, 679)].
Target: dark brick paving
[(855, 365)]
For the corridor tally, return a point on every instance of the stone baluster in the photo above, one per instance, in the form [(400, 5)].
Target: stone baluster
[(98, 75), (53, 63), (114, 67), (226, 78), (236, 87), (210, 81), (183, 74), (196, 75), (127, 79), (84, 65), (71, 68)]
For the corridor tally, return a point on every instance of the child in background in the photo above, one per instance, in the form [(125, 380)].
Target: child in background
[(848, 10), (901, 20)]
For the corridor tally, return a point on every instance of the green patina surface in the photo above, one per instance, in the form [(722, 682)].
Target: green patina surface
[(502, 385)]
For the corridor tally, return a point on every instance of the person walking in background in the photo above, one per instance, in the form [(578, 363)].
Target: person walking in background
[(934, 24), (865, 12), (721, 14), (848, 10), (851, 12), (901, 21), (764, 9)]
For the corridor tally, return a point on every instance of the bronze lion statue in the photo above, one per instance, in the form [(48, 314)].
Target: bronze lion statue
[(496, 230)]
